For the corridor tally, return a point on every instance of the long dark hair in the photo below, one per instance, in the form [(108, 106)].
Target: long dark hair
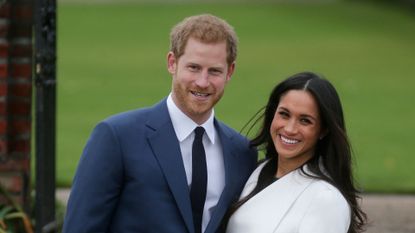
[(332, 160)]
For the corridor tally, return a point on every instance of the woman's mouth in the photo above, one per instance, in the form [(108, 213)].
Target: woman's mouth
[(288, 140)]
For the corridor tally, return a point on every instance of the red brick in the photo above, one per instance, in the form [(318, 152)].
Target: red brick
[(3, 88), (3, 110), (4, 71), (3, 147), (5, 10), (19, 108), (23, 30), (21, 70), (13, 182), (20, 126), (20, 89), (16, 28), (23, 12), (4, 50), (4, 29), (19, 146), (12, 164), (3, 126), (17, 197), (21, 50)]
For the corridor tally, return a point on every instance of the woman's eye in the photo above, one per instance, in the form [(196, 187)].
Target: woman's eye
[(305, 121), (283, 114)]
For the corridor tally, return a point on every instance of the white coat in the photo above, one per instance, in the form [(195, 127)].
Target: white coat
[(294, 203)]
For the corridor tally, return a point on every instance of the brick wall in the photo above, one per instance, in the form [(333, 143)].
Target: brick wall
[(16, 21)]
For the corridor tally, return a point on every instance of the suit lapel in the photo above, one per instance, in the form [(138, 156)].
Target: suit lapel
[(231, 174), (166, 148)]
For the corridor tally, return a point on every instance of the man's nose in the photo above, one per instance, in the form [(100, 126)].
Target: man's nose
[(203, 80)]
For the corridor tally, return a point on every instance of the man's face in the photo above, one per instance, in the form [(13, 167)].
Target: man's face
[(199, 77)]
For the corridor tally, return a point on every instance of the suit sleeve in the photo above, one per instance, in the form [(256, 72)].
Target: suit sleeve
[(328, 212), (97, 184)]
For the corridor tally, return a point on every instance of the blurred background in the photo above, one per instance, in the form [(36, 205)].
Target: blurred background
[(112, 58)]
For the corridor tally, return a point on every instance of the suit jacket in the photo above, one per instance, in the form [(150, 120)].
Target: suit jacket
[(295, 203), (131, 177)]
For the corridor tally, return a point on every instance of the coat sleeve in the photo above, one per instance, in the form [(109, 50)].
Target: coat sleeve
[(328, 212), (97, 184)]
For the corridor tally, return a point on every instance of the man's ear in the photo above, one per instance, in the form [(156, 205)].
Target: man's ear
[(231, 69), (171, 62)]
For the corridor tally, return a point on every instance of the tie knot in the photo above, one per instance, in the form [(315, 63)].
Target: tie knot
[(199, 132)]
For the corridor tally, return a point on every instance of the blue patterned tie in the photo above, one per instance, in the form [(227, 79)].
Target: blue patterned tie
[(199, 179)]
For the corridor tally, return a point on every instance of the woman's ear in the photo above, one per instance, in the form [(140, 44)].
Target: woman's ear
[(323, 134)]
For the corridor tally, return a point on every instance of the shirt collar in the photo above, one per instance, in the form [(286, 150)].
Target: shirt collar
[(184, 126)]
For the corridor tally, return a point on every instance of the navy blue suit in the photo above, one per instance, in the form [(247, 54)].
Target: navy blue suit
[(131, 177)]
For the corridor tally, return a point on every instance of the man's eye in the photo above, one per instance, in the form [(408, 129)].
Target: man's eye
[(215, 72), (193, 68)]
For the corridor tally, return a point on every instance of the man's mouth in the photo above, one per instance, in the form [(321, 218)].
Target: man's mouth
[(200, 94)]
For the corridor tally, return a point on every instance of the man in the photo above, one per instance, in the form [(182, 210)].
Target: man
[(139, 171)]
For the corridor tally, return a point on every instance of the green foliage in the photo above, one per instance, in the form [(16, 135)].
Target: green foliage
[(12, 217), (112, 58), (60, 215)]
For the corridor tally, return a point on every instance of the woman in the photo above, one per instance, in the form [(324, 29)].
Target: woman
[(305, 183)]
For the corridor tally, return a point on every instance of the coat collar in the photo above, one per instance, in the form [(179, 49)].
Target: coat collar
[(166, 149), (184, 125), (231, 174), (284, 192)]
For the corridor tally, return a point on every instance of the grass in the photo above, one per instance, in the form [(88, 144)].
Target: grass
[(112, 58)]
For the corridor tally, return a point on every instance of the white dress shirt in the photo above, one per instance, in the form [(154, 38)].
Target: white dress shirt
[(184, 127)]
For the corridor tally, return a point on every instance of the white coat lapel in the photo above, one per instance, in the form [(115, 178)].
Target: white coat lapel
[(287, 189), (271, 204)]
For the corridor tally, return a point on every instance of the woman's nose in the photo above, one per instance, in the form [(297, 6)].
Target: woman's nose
[(291, 127)]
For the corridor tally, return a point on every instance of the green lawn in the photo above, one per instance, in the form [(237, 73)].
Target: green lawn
[(112, 58)]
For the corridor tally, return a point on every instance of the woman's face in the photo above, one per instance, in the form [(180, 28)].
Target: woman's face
[(296, 127)]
